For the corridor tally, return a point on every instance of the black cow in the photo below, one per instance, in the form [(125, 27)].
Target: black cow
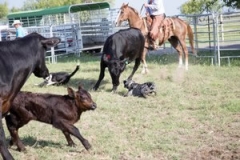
[(18, 59), (120, 49)]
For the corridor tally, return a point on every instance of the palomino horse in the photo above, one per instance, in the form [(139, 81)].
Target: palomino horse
[(173, 29)]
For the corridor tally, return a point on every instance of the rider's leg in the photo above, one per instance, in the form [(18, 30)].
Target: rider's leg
[(155, 28)]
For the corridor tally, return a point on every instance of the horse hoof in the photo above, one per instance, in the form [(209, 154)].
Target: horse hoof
[(145, 72)]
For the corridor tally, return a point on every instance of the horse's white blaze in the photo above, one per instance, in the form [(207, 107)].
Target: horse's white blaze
[(116, 20)]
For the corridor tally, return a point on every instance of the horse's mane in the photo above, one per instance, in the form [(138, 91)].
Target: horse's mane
[(134, 10)]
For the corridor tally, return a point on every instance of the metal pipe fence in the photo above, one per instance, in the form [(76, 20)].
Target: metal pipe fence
[(217, 34)]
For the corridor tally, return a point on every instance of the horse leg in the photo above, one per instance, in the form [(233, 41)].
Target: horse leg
[(145, 67), (136, 65), (185, 51), (175, 43)]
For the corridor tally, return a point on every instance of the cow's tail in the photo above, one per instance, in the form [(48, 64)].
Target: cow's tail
[(191, 39), (76, 69)]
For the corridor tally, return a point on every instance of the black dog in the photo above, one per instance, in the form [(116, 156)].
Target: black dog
[(58, 78), (140, 90)]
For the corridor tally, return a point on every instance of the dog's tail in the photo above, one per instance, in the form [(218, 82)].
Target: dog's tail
[(76, 69)]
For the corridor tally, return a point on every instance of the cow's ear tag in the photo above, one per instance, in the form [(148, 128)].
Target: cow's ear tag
[(126, 62)]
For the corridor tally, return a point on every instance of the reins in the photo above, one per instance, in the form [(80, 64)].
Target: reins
[(141, 9), (144, 20)]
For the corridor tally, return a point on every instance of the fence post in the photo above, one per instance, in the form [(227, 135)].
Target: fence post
[(209, 32), (195, 31), (218, 45), (0, 35), (214, 39), (222, 27), (52, 48)]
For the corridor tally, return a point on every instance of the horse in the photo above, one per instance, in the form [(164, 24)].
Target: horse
[(172, 29)]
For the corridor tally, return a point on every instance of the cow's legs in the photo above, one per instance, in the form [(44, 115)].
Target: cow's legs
[(13, 124), (145, 67), (3, 146), (115, 81), (136, 65), (65, 127), (69, 139), (101, 75)]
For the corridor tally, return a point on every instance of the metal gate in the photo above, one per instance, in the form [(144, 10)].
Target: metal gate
[(216, 33), (80, 27)]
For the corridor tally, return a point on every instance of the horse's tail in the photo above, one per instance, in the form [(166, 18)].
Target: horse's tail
[(190, 37)]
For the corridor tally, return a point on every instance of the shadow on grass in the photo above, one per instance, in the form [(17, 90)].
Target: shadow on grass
[(166, 59), (87, 84), (33, 142)]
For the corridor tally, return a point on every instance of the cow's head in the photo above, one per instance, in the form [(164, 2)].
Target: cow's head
[(82, 98), (115, 66), (43, 43)]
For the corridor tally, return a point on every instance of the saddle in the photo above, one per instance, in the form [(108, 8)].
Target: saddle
[(165, 29)]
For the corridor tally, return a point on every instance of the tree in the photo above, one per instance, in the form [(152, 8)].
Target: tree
[(200, 6), (14, 9), (3, 10), (29, 5), (232, 3), (191, 7)]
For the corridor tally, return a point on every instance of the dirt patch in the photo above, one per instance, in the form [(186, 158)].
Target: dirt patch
[(216, 154)]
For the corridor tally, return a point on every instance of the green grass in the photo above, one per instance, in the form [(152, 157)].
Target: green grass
[(195, 114)]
